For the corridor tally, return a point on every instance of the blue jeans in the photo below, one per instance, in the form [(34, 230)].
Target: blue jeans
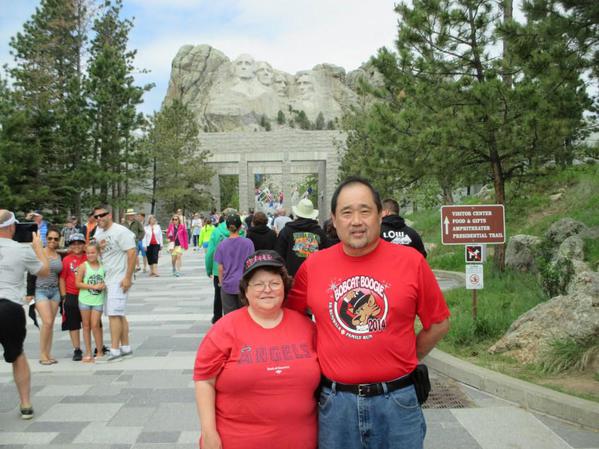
[(388, 421)]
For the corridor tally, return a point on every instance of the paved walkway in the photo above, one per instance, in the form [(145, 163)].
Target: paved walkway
[(147, 401)]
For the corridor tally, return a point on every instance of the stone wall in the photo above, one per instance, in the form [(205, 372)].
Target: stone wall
[(289, 153)]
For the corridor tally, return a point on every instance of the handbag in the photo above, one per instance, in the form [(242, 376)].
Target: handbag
[(171, 246)]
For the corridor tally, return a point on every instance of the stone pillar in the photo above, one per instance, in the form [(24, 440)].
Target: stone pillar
[(243, 183), (215, 191), (323, 212), (286, 181)]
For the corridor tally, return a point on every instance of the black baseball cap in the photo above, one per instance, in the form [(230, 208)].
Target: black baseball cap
[(262, 258), (233, 220)]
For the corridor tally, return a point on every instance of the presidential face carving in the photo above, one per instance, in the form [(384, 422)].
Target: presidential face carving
[(280, 84), (264, 73), (244, 67), (305, 84)]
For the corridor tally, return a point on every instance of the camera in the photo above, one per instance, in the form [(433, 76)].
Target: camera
[(24, 232)]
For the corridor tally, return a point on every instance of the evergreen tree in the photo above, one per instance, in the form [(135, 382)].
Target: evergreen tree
[(179, 172), (48, 77), (319, 124), (280, 118), (113, 98)]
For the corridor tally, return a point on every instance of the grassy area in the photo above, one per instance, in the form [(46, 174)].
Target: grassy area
[(507, 295)]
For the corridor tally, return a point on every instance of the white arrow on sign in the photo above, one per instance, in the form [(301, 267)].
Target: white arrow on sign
[(446, 222)]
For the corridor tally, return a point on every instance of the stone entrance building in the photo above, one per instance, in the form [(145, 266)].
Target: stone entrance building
[(289, 154)]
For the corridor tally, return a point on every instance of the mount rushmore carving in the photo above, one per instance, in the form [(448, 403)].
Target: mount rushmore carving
[(244, 93)]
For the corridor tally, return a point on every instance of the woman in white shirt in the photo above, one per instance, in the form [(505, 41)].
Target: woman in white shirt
[(153, 243)]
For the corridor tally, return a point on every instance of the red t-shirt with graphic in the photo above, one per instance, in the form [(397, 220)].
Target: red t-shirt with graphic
[(265, 381), (69, 271), (365, 309)]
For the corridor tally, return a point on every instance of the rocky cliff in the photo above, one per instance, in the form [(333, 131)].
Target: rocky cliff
[(245, 94)]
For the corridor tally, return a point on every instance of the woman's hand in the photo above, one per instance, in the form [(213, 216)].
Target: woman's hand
[(100, 286), (211, 440)]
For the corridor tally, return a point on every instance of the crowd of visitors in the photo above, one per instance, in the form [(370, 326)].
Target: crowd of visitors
[(298, 378)]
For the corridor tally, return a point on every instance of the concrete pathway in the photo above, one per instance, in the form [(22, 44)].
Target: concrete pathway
[(147, 401)]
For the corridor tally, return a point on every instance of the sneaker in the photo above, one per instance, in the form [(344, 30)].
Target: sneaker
[(77, 355), (114, 357), (26, 412), (126, 354), (105, 351), (177, 274)]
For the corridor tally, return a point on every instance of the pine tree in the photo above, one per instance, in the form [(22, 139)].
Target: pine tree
[(280, 118), (319, 123), (113, 98), (179, 172), (47, 80)]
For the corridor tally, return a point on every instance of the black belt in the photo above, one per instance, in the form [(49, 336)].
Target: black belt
[(367, 390)]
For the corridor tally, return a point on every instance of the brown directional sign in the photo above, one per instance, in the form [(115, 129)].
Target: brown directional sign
[(464, 225)]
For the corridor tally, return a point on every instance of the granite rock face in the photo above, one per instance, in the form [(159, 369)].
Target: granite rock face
[(241, 94)]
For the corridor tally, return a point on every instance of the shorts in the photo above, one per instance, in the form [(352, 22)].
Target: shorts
[(99, 308), (116, 300), (140, 248), (13, 329), (47, 294), (71, 317), (177, 251)]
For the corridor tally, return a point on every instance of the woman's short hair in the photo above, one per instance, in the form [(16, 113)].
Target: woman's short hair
[(245, 281)]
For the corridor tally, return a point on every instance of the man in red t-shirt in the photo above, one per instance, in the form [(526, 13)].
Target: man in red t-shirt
[(365, 294)]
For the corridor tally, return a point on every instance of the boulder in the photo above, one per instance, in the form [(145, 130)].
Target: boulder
[(574, 316), (520, 252), (571, 248), (584, 279), (564, 228)]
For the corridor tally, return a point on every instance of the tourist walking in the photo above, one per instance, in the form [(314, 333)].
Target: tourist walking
[(206, 233), (260, 234), (90, 282), (196, 228), (89, 228), (47, 296), (280, 220), (247, 397), (301, 237), (365, 294), (177, 242), (395, 230), (16, 260), (118, 250), (219, 234), (230, 255), (153, 244), (136, 226)]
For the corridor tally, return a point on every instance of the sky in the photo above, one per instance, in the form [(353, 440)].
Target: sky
[(292, 35)]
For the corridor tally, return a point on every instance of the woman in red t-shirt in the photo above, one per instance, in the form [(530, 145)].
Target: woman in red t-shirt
[(256, 370)]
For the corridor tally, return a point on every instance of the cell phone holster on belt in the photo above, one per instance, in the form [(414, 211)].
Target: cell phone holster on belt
[(422, 383)]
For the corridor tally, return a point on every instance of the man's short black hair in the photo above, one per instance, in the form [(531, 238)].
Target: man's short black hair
[(356, 180), (391, 205)]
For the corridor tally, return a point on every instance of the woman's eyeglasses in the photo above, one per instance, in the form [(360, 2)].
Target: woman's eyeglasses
[(175, 219), (101, 215), (261, 286), (53, 239)]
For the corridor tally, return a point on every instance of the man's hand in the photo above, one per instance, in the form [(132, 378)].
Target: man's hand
[(126, 284), (36, 242)]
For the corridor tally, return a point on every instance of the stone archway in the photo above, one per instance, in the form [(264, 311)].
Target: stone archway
[(287, 154)]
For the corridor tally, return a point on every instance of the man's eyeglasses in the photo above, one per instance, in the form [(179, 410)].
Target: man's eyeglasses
[(102, 215), (261, 286), (53, 239)]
